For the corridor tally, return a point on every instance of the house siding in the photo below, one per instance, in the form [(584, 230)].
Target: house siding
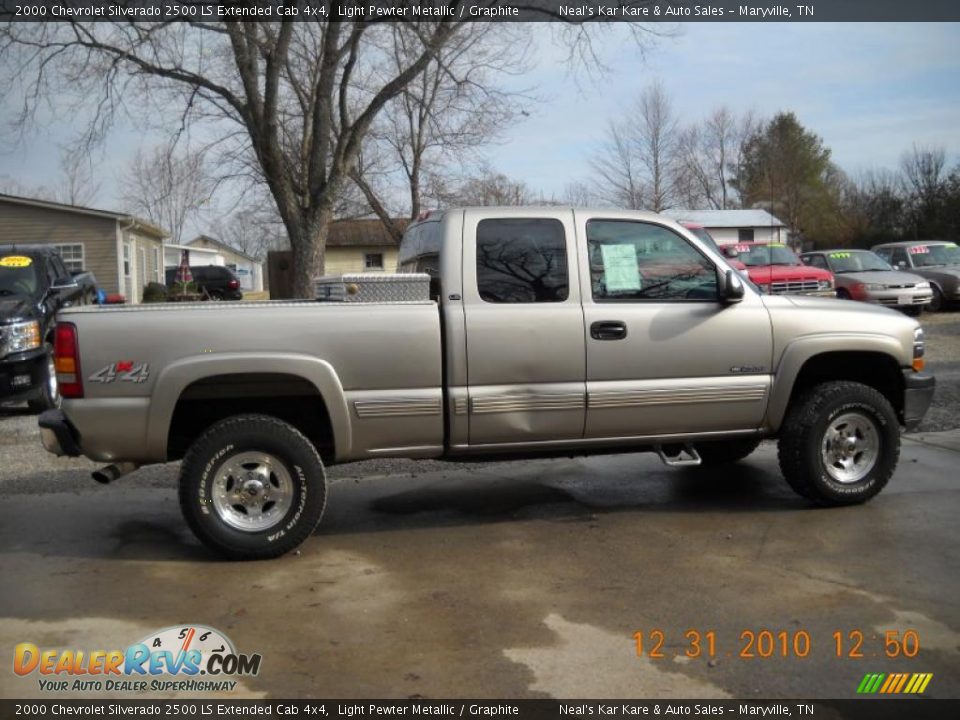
[(342, 260), (43, 226)]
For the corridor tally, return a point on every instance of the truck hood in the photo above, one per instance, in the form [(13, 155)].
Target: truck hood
[(16, 307), (796, 317), (883, 277)]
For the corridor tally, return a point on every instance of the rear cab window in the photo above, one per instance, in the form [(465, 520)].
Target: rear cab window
[(522, 260)]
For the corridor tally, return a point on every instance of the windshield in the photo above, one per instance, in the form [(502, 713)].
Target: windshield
[(929, 255), (705, 236), (856, 261), (18, 275), (759, 255)]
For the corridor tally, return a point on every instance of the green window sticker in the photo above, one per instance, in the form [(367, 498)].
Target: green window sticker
[(840, 255), (620, 268)]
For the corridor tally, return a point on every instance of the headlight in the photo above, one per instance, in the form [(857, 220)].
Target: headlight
[(918, 349), (922, 286), (874, 286), (20, 337), (825, 284)]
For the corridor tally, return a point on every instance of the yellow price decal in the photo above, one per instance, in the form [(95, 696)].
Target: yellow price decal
[(840, 255), (15, 261), (777, 245)]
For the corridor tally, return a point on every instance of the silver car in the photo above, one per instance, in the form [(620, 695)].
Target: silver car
[(864, 275)]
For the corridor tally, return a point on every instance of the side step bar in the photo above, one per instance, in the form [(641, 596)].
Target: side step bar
[(685, 455)]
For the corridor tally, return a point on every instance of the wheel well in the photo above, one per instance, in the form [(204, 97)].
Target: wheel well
[(876, 369), (287, 397)]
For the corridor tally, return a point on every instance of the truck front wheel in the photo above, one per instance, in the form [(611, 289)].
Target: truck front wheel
[(252, 487), (839, 443)]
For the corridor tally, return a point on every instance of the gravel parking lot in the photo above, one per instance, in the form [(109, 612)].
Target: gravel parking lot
[(523, 579)]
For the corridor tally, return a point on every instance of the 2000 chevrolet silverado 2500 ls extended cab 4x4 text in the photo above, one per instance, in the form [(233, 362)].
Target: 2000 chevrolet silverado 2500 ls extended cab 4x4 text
[(549, 331)]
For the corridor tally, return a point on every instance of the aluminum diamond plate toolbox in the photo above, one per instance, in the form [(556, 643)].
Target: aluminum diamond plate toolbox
[(374, 287)]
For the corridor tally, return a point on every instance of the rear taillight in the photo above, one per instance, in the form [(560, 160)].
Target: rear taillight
[(233, 284), (66, 359)]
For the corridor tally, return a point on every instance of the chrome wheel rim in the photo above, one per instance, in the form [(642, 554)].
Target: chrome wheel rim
[(850, 447), (252, 491)]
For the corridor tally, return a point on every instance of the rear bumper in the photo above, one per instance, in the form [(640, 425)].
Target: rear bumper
[(917, 396), (57, 434)]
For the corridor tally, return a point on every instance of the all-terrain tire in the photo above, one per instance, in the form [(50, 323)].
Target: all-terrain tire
[(824, 420), (722, 452), (242, 461)]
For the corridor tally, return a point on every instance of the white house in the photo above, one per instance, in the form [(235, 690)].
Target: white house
[(735, 226)]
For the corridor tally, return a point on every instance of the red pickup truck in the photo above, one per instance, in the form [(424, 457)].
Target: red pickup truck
[(776, 269)]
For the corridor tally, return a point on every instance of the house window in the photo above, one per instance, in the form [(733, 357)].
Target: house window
[(126, 261), (373, 261), (72, 256), (745, 235)]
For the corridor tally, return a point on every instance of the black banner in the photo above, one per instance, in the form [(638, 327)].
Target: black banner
[(572, 11), (866, 709)]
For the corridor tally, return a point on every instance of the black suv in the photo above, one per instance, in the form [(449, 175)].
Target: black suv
[(213, 281)]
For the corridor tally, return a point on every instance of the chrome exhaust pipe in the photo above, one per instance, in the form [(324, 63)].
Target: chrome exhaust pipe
[(110, 473)]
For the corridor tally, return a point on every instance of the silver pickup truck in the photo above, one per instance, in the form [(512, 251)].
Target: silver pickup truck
[(543, 331)]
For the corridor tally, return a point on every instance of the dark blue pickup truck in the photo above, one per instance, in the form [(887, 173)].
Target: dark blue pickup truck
[(34, 285)]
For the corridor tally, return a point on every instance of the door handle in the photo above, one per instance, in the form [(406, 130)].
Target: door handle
[(608, 330)]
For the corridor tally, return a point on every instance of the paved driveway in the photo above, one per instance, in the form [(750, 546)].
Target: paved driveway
[(524, 579)]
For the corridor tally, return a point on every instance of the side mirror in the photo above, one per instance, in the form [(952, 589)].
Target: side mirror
[(64, 283), (729, 286), (730, 251), (901, 263)]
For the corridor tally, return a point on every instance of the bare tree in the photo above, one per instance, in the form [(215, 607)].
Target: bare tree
[(638, 166), (168, 188), (78, 183), (709, 155), (656, 145), (443, 117), (488, 188), (288, 103), (619, 178)]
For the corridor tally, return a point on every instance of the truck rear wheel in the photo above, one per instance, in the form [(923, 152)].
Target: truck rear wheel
[(839, 443), (252, 487)]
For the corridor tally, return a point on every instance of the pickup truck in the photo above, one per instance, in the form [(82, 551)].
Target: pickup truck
[(777, 270), (544, 331), (34, 285)]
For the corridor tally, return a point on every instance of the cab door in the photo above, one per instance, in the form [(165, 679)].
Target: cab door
[(664, 355), (525, 351)]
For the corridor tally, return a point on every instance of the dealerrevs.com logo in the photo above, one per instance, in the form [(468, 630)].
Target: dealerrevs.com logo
[(184, 658)]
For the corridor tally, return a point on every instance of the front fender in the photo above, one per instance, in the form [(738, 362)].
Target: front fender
[(177, 376), (799, 351)]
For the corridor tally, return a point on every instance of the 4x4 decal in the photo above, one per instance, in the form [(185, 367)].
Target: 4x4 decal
[(124, 371)]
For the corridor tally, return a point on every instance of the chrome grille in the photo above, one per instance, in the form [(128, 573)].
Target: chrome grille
[(794, 286)]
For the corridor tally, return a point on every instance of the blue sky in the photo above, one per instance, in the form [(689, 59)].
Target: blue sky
[(869, 90)]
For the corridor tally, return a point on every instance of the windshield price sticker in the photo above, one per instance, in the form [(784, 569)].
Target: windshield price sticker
[(743, 248), (15, 261), (840, 255), (919, 250)]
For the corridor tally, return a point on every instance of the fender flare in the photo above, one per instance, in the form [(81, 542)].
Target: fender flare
[(177, 376), (798, 352)]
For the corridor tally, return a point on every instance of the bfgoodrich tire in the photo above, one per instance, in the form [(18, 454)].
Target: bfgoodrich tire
[(252, 487), (726, 451), (839, 443)]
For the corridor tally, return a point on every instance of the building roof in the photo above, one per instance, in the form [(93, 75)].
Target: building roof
[(754, 218), (142, 225), (223, 246), (366, 232)]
